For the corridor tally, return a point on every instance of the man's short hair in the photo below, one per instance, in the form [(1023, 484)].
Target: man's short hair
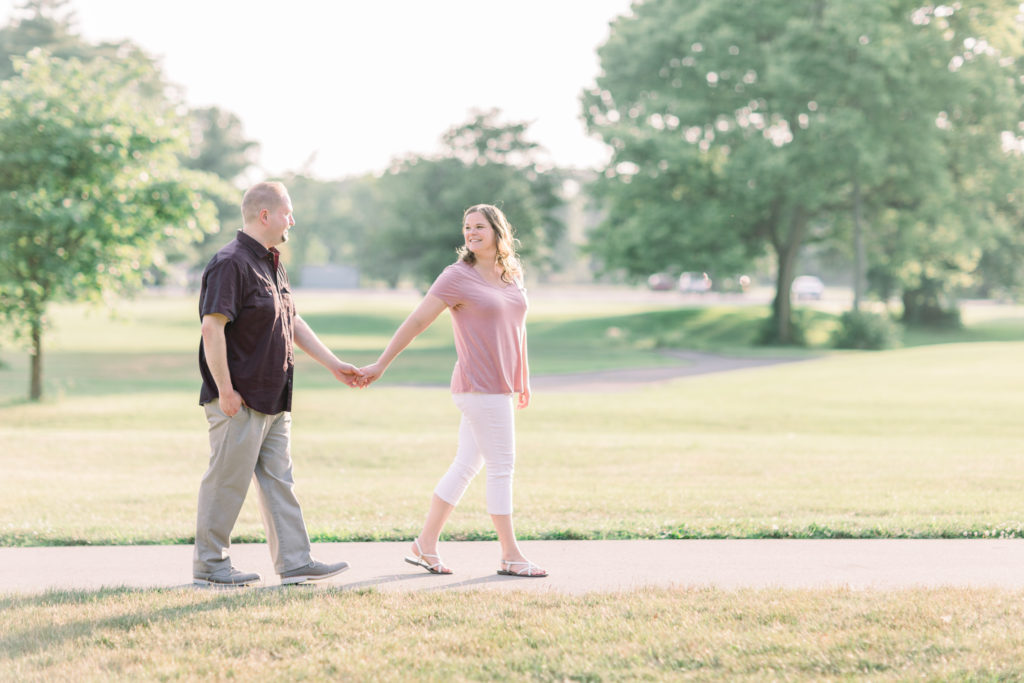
[(267, 195)]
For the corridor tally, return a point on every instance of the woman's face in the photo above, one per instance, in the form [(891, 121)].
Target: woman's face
[(479, 235)]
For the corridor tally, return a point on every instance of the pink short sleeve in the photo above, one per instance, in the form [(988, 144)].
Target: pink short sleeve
[(488, 324), (449, 286)]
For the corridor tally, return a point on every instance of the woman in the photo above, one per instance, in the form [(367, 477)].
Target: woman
[(484, 291)]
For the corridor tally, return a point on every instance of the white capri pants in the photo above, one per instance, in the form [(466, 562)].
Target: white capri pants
[(486, 435)]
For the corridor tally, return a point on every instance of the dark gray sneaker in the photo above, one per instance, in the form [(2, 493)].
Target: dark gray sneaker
[(226, 577), (314, 571)]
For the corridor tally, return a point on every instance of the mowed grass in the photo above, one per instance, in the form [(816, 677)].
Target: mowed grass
[(150, 344), (920, 441), (916, 442), (664, 634)]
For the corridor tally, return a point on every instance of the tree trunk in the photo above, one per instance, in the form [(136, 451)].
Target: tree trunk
[(858, 248), (35, 391), (782, 307)]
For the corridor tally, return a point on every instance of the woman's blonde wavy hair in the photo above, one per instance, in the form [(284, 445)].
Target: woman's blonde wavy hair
[(505, 241)]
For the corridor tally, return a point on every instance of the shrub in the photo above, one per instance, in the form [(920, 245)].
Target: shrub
[(864, 330)]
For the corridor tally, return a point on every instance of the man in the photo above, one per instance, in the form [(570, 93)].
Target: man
[(246, 358)]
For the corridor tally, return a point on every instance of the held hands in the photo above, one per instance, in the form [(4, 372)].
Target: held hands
[(348, 374), (357, 378), (371, 373), (360, 378)]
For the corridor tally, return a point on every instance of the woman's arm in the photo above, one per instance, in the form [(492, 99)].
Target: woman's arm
[(524, 396), (419, 320)]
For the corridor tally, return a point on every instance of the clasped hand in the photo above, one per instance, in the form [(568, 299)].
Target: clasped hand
[(357, 378), (348, 374), (370, 374)]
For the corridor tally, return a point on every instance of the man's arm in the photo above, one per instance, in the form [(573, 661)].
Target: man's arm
[(307, 340), (215, 347)]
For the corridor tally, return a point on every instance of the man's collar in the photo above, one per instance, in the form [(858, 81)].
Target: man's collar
[(253, 245)]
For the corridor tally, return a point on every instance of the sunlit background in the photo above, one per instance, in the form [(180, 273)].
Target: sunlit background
[(343, 88), (853, 170)]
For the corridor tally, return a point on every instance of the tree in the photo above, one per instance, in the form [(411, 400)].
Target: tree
[(216, 142), (218, 146), (483, 162), (41, 23), (91, 187), (51, 25), (334, 218), (739, 128), (965, 230)]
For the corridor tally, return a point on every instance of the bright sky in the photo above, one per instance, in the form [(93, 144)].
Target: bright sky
[(353, 84)]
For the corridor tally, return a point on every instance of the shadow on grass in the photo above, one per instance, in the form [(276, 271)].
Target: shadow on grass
[(636, 329), (995, 330), (28, 641)]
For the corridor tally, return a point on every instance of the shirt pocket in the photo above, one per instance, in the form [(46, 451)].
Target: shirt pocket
[(260, 296), (260, 305), (286, 301)]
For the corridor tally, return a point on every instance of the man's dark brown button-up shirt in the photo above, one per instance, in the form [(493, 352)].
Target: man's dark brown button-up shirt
[(246, 283)]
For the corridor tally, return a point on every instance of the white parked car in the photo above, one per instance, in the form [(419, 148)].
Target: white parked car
[(694, 282), (808, 287)]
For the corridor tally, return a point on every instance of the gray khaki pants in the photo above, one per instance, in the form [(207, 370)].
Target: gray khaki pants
[(253, 446)]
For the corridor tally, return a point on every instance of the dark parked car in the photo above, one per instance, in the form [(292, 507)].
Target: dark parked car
[(661, 282)]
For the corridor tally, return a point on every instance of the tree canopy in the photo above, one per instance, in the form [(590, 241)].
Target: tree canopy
[(743, 128), (334, 219), (91, 186), (218, 146), (484, 161)]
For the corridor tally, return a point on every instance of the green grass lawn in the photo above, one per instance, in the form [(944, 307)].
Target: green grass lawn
[(922, 441), (682, 634), (150, 344), (916, 442)]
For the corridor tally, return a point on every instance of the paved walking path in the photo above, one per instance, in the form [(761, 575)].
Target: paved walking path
[(575, 566), (694, 363)]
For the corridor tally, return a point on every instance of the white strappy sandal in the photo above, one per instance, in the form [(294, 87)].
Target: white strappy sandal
[(421, 560), (528, 572)]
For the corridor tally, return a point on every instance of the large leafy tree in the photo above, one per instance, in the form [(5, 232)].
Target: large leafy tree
[(217, 143), (740, 128), (334, 218), (218, 146), (483, 161), (52, 26), (49, 24), (968, 230), (91, 187)]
